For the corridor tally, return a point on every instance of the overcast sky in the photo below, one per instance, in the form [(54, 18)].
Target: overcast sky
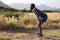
[(52, 3)]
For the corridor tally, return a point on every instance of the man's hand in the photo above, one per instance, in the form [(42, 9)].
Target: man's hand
[(40, 18)]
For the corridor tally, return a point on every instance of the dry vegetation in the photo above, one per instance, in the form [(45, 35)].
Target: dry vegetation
[(30, 21), (27, 22)]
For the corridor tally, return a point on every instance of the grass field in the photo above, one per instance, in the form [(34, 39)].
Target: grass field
[(24, 28), (30, 21)]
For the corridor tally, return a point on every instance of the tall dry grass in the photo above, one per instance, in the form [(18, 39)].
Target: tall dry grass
[(30, 21), (2, 20)]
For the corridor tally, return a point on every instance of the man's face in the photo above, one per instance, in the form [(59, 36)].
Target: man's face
[(31, 7)]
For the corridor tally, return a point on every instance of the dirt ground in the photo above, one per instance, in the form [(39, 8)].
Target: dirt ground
[(29, 35)]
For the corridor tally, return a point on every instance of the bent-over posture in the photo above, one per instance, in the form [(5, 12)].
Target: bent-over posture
[(42, 17)]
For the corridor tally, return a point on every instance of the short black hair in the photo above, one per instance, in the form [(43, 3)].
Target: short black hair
[(33, 4)]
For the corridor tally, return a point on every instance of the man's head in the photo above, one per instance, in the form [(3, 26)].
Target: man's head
[(32, 6)]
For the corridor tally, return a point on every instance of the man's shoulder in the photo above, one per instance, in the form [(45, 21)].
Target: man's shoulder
[(36, 9)]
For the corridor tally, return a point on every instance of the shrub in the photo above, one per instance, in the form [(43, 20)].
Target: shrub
[(2, 20), (10, 26)]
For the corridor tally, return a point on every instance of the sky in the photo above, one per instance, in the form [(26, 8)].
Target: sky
[(51, 3)]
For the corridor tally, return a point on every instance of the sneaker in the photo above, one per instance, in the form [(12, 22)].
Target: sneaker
[(39, 35)]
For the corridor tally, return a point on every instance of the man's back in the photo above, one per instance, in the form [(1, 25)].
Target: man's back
[(38, 12)]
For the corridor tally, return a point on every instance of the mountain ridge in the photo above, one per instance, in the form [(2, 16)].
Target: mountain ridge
[(2, 4), (22, 6)]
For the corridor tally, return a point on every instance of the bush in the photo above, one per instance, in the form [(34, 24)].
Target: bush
[(10, 26), (14, 13), (2, 20)]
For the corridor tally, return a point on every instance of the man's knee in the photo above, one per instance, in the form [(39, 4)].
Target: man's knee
[(40, 23)]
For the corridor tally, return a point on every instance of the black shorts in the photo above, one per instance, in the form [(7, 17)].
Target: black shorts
[(43, 19)]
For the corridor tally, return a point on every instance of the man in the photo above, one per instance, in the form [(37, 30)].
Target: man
[(42, 17)]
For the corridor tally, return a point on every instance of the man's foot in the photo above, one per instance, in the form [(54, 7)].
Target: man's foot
[(39, 35)]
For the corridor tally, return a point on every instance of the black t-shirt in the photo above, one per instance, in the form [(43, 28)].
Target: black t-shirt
[(39, 13)]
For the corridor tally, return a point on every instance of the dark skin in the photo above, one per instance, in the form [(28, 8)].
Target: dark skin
[(40, 22)]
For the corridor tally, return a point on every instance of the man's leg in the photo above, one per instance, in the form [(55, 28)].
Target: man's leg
[(40, 28)]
